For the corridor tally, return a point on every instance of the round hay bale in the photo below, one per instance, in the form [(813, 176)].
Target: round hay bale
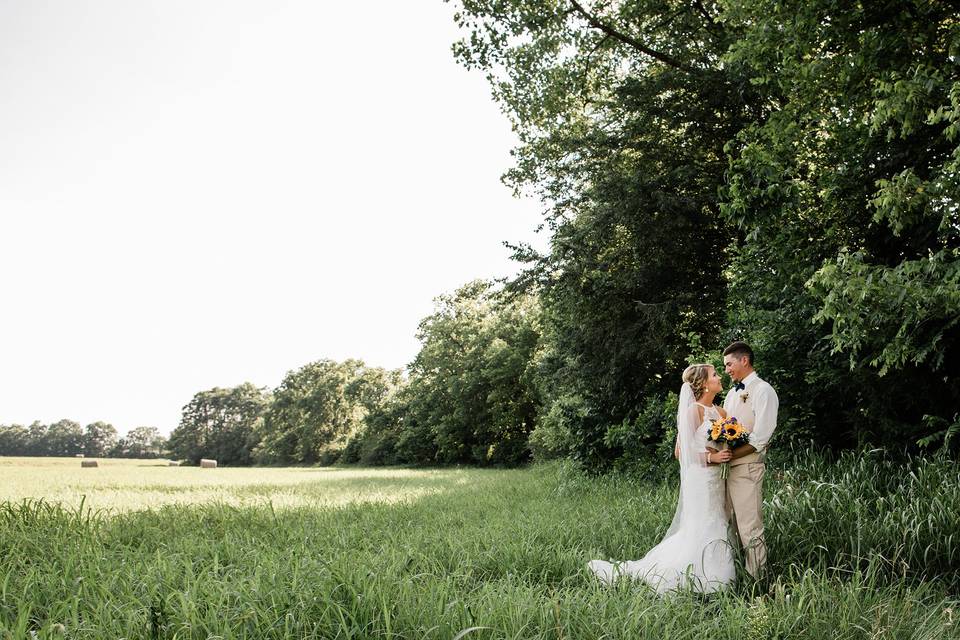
[(87, 464), (208, 464), (79, 455), (173, 463)]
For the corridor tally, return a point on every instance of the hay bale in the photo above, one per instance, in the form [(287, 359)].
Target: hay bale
[(79, 455), (208, 464), (173, 463), (86, 464)]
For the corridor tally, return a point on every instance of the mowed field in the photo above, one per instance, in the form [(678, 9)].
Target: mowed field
[(129, 485), (861, 547)]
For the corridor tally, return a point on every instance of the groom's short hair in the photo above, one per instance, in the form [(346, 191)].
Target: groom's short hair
[(738, 350)]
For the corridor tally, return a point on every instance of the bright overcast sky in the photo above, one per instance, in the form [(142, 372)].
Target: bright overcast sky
[(197, 194)]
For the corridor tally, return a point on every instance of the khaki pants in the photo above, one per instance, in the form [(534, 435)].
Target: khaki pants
[(744, 503)]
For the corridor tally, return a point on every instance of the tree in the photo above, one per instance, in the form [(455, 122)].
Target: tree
[(99, 439), (472, 383), (37, 442), (144, 442), (14, 440), (221, 424), (64, 438), (376, 439), (316, 410)]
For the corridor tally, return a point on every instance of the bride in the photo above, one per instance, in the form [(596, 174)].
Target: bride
[(695, 552)]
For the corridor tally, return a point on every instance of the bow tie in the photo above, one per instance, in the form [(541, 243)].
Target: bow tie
[(739, 386)]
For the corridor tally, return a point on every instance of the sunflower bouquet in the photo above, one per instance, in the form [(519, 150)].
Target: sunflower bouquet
[(727, 433)]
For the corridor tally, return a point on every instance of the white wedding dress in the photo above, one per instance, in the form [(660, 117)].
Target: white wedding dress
[(695, 553)]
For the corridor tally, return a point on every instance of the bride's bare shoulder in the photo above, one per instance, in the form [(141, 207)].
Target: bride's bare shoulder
[(723, 412)]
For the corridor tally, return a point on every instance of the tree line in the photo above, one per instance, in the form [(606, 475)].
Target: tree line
[(69, 438), (469, 396)]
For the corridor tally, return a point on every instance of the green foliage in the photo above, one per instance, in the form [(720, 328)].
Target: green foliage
[(413, 433), (472, 384), (99, 439), (143, 442), (221, 424), (553, 436), (15, 440), (847, 196), (318, 408), (68, 438), (915, 306), (942, 431), (647, 441), (375, 443)]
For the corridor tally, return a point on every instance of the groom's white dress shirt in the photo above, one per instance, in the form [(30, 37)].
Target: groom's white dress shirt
[(755, 407)]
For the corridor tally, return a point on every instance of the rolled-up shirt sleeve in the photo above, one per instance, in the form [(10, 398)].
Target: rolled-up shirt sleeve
[(765, 405)]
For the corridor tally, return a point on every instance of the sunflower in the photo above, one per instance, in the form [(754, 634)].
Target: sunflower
[(715, 432), (733, 431)]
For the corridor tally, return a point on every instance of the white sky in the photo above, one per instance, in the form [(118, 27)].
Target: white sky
[(198, 194)]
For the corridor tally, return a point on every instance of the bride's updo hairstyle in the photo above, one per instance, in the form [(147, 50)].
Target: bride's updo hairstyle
[(696, 375)]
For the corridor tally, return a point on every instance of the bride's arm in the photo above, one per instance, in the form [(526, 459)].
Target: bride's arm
[(711, 459), (705, 454), (718, 459), (687, 421)]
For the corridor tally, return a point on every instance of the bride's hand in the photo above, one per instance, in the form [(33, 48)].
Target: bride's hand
[(722, 456)]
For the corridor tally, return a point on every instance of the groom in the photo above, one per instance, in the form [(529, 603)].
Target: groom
[(754, 404)]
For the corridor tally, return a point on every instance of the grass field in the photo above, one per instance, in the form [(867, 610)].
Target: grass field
[(861, 547), (128, 485)]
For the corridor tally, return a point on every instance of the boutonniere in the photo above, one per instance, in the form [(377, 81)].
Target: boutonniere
[(744, 396)]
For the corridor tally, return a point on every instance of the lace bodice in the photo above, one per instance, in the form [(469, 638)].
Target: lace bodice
[(710, 413)]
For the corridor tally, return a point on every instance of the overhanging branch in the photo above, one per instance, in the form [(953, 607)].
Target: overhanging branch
[(630, 40)]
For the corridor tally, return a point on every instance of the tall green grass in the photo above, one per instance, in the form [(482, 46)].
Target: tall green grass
[(860, 547), (901, 515)]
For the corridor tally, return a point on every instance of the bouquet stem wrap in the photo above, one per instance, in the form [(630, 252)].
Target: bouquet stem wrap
[(724, 466)]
